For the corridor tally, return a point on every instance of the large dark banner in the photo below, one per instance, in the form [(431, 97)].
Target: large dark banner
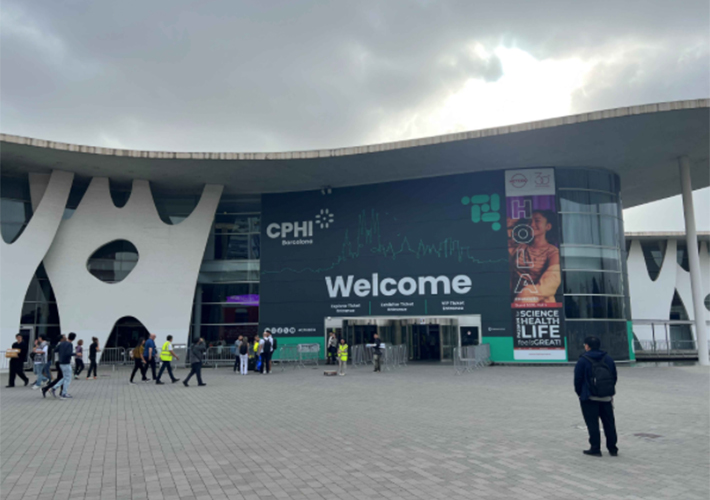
[(413, 248)]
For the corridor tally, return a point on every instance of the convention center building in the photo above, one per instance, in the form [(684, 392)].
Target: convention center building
[(511, 236)]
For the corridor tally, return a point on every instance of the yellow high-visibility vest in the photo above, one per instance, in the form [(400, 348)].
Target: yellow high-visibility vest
[(343, 352), (165, 352)]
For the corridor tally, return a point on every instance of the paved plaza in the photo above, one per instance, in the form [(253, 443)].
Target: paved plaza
[(419, 432)]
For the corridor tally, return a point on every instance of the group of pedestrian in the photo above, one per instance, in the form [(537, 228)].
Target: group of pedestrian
[(145, 356), (257, 353), (42, 354)]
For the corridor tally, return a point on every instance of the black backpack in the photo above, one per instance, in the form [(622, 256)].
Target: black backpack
[(243, 349), (273, 343), (602, 383)]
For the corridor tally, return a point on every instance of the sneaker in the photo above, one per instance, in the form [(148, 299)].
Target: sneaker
[(176, 380), (35, 387), (53, 391), (158, 382), (131, 382), (76, 377), (614, 453), (592, 453), (201, 385), (145, 380), (27, 381), (44, 392), (185, 384), (65, 396)]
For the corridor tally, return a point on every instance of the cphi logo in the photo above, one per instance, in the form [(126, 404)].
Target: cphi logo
[(325, 218), (518, 181), (484, 208), (300, 229)]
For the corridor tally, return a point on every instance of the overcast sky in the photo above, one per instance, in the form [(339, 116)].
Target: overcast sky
[(231, 75)]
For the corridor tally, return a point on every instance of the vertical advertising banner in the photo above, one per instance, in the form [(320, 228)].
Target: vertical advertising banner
[(534, 262)]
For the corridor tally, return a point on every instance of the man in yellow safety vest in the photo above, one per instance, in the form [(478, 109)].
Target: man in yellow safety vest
[(166, 356), (342, 357)]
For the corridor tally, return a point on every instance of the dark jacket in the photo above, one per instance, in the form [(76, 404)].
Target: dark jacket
[(22, 356), (377, 346), (65, 351), (197, 353), (583, 372)]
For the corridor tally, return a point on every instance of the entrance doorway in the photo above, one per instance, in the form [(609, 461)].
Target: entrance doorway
[(427, 338)]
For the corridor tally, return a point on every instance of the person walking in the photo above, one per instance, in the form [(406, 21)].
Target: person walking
[(65, 352), (79, 358), (150, 354), (237, 357), (332, 349), (244, 356), (17, 364), (53, 383), (377, 353), (41, 352), (166, 357), (197, 354), (266, 352), (342, 357), (139, 362), (595, 383), (93, 349)]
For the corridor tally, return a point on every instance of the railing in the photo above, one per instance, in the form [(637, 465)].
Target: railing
[(467, 359), (219, 356), (393, 356), (114, 356), (299, 355), (668, 347), (4, 362)]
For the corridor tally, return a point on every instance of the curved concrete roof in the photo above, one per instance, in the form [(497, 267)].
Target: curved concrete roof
[(640, 143)]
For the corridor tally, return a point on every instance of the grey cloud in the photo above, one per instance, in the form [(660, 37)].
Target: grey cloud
[(246, 76)]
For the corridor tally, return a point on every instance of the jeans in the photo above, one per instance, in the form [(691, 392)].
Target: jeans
[(46, 370), (243, 364), (593, 411), (39, 371), (58, 380), (79, 366), (376, 361), (341, 366), (66, 378), (163, 366), (138, 365), (92, 367), (265, 362), (197, 371), (150, 363)]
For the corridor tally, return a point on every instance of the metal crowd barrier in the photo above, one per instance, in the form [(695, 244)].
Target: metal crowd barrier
[(113, 356), (393, 356), (219, 356), (299, 355), (4, 362), (467, 359)]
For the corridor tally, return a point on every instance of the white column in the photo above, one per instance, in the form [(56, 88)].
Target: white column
[(696, 284)]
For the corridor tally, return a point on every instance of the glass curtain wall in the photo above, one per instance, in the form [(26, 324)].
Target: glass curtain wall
[(227, 294), (593, 259)]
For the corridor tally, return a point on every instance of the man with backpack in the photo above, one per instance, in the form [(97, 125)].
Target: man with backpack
[(265, 347), (595, 384)]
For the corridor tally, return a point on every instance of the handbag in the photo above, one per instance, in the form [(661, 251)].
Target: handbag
[(12, 353)]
